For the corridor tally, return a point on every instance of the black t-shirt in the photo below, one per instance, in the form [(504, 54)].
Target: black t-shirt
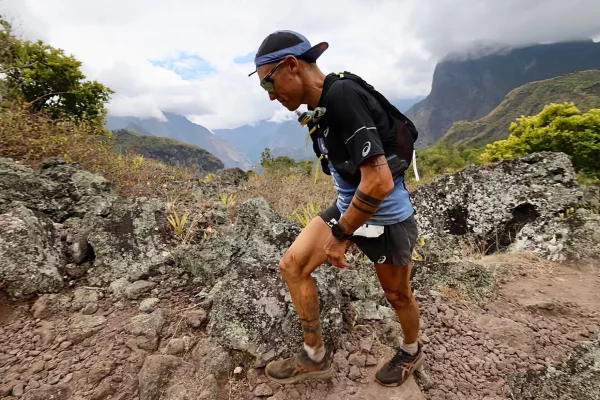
[(354, 128)]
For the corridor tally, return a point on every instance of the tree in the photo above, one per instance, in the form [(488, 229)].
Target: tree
[(266, 158), (559, 128), (47, 80)]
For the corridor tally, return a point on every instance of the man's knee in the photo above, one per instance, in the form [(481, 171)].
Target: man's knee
[(399, 298), (290, 267)]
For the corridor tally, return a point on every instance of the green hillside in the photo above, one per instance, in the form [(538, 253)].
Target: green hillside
[(581, 88), (169, 151)]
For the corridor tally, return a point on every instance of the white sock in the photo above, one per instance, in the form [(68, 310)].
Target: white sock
[(315, 354), (411, 348)]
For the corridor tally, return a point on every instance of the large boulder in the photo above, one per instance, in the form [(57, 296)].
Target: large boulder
[(133, 238), (578, 378), (482, 209), (31, 253), (259, 235), (58, 189), (252, 311), (563, 238)]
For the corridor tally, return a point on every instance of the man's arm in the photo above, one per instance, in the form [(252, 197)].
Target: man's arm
[(375, 184)]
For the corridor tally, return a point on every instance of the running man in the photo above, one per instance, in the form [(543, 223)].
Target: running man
[(361, 140)]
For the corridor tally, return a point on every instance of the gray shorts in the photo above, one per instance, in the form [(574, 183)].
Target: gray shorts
[(395, 246)]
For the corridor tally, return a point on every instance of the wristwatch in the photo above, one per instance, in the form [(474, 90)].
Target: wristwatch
[(339, 232)]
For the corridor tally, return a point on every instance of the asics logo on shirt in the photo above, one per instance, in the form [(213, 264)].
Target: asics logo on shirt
[(366, 148)]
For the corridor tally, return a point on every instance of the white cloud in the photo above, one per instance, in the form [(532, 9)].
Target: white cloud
[(394, 44)]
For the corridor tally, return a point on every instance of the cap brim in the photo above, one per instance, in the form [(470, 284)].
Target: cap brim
[(310, 55), (315, 52)]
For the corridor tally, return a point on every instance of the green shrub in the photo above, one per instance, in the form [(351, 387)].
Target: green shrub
[(559, 128)]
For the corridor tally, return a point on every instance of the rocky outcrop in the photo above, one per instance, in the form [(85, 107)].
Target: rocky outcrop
[(132, 238), (59, 190), (578, 378), (31, 256), (253, 312), (484, 209)]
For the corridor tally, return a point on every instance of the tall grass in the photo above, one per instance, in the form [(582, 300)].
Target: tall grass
[(32, 137)]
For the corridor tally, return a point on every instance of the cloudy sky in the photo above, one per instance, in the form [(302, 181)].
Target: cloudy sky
[(193, 56)]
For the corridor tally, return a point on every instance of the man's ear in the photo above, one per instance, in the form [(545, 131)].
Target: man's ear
[(293, 64)]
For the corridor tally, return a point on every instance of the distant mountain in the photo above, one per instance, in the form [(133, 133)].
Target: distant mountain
[(468, 88), (169, 151), (180, 128), (581, 88), (286, 138)]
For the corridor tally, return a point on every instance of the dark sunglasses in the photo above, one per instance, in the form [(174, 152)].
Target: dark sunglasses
[(267, 82)]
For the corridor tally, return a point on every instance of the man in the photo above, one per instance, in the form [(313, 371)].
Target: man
[(353, 131)]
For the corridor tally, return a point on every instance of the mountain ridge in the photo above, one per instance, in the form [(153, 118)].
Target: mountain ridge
[(469, 89), (180, 128), (581, 88), (167, 150)]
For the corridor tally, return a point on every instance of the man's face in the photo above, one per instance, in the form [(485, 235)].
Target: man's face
[(283, 82)]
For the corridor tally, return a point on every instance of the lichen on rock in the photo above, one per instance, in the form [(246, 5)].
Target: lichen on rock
[(31, 253), (482, 209), (577, 379)]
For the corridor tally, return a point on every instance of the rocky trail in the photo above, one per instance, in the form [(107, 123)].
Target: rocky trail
[(101, 302)]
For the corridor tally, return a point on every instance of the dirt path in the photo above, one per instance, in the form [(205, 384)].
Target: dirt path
[(101, 348)]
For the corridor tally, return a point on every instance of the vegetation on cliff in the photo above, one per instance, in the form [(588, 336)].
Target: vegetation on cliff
[(581, 88)]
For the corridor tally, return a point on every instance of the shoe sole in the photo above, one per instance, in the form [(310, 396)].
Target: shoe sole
[(325, 374), (417, 365)]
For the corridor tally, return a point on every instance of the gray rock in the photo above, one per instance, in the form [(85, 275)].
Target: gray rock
[(210, 388), (31, 253), (130, 238), (175, 347), (578, 378), (366, 311), (568, 238), (340, 362), (100, 371), (357, 359), (58, 190), (360, 282), (18, 389), (148, 305), (354, 373), (50, 304), (176, 392), (155, 375), (79, 249), (137, 289), (483, 208), (250, 314), (263, 390), (195, 318), (45, 392), (259, 234), (469, 280), (148, 327), (84, 326), (210, 358), (89, 309), (82, 297)]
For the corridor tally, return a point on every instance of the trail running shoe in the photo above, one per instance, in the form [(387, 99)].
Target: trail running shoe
[(396, 371), (299, 367)]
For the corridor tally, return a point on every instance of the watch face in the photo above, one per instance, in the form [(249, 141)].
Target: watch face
[(338, 231)]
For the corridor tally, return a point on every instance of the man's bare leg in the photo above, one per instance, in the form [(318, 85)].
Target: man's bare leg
[(296, 266), (395, 281)]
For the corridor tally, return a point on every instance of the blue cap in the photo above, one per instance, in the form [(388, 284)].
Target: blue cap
[(280, 44)]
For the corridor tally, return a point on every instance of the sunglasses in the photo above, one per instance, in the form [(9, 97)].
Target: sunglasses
[(267, 82)]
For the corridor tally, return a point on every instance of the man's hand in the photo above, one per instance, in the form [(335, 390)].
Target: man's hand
[(335, 250)]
